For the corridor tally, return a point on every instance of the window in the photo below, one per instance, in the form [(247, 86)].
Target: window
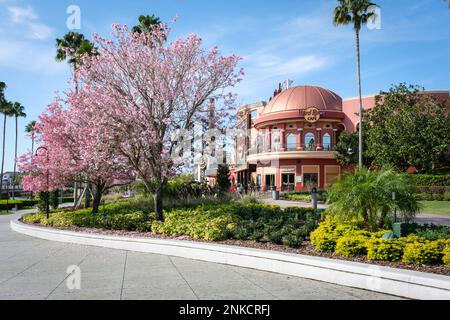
[(291, 142), (310, 142), (327, 142), (276, 143)]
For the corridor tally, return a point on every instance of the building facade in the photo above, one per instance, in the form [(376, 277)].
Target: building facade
[(291, 140)]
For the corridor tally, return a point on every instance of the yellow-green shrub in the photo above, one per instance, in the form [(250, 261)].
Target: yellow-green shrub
[(323, 241), (385, 249), (422, 253), (352, 246), (446, 256), (33, 218)]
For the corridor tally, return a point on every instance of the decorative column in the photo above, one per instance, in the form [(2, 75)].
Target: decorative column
[(319, 139), (282, 140), (300, 140), (269, 140), (335, 142)]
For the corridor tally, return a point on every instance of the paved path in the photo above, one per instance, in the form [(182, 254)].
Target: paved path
[(36, 269), (422, 219)]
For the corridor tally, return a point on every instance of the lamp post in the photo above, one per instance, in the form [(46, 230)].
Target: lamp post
[(47, 198)]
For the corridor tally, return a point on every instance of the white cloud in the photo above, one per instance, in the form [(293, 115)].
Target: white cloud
[(27, 20), (19, 14)]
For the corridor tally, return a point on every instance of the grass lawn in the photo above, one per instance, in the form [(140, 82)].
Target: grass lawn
[(4, 213), (441, 208)]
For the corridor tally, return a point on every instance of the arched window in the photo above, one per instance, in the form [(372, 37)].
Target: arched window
[(276, 143), (291, 142), (326, 142), (310, 142)]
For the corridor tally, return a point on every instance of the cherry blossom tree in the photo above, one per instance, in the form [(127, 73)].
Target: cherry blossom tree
[(141, 95), (75, 152)]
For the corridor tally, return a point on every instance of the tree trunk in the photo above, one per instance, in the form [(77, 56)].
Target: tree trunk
[(97, 199), (158, 201), (87, 196), (361, 116), (3, 157), (32, 155), (15, 163)]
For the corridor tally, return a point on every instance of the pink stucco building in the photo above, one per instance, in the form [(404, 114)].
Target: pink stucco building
[(292, 138)]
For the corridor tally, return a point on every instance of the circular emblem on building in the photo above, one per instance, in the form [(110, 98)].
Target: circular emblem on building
[(312, 115)]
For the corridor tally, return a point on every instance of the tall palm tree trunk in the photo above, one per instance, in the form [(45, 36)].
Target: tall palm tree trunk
[(3, 156), (32, 155), (361, 116), (15, 162)]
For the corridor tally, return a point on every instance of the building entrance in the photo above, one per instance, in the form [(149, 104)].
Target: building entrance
[(288, 182)]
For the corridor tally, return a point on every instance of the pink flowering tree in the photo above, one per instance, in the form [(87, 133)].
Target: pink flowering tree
[(74, 152), (141, 90)]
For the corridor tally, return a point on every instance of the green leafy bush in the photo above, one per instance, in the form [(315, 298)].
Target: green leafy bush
[(432, 180), (431, 232), (352, 246), (423, 253), (20, 204), (385, 249)]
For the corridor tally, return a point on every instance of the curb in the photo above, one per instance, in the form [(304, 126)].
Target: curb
[(402, 283)]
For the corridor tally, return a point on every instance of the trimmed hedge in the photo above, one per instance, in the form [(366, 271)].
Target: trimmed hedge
[(429, 180), (20, 204)]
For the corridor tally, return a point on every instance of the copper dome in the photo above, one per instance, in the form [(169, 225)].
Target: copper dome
[(304, 97)]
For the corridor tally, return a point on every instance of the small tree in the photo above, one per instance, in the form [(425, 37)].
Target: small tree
[(408, 129), (142, 95), (223, 178), (367, 195)]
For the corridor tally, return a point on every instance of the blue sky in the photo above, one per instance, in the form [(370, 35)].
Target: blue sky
[(278, 39)]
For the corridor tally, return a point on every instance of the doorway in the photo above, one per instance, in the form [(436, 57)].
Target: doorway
[(288, 182)]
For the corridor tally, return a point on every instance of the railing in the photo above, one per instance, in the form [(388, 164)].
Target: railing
[(290, 147)]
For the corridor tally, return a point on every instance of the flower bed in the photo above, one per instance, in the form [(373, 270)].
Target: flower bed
[(261, 226), (348, 240)]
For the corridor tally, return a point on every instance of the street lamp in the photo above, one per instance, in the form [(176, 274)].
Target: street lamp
[(47, 198)]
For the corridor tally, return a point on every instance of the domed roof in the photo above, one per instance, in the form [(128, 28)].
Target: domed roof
[(304, 97)]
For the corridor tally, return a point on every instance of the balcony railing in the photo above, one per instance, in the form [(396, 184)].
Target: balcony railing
[(291, 148)]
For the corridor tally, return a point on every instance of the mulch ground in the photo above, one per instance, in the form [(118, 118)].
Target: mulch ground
[(306, 249)]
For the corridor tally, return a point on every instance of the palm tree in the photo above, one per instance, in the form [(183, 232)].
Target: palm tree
[(146, 23), (367, 195), (355, 12), (30, 129), (18, 111), (72, 47), (6, 110)]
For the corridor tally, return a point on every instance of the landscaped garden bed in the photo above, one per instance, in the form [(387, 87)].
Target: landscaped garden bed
[(263, 227)]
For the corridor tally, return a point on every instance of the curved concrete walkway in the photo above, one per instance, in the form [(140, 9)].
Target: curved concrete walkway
[(36, 269)]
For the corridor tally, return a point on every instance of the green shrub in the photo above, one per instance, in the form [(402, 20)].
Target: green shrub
[(431, 232), (422, 253), (352, 246), (446, 256), (292, 241), (385, 249), (20, 204), (432, 180)]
